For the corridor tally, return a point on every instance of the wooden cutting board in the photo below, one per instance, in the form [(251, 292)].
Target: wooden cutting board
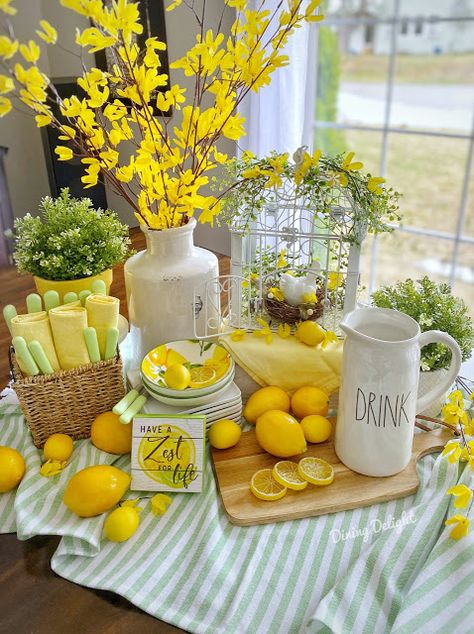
[(234, 468)]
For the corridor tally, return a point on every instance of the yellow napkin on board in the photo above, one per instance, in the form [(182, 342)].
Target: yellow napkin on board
[(67, 324), (36, 326), (102, 314), (287, 363)]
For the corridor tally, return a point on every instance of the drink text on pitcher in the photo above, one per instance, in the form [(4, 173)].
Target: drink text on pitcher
[(381, 410)]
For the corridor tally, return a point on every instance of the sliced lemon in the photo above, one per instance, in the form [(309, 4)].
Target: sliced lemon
[(265, 487), (316, 471), (202, 376), (286, 473)]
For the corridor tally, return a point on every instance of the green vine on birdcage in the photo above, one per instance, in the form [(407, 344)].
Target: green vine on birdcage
[(322, 183)]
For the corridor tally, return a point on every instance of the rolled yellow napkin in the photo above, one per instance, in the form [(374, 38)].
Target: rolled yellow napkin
[(287, 363), (36, 326), (68, 323), (102, 314)]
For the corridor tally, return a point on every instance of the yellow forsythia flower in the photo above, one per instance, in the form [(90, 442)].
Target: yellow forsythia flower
[(276, 293), (282, 261), (30, 51), (5, 106), (238, 335), (334, 280), (329, 337), (160, 503), (8, 47), (452, 450), (264, 332), (310, 298), (6, 84), (462, 495), (284, 331), (373, 184), (52, 467), (48, 34), (64, 153), (6, 8), (349, 165), (461, 528)]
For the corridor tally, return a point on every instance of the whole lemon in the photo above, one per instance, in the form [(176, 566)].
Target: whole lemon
[(58, 447), (265, 399), (310, 333), (121, 524), (224, 433), (280, 434), (316, 428), (95, 490), (108, 434), (12, 468), (309, 400), (177, 376)]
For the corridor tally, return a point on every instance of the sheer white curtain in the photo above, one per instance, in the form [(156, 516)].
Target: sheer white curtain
[(280, 116)]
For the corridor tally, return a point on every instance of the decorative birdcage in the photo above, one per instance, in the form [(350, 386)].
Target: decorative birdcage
[(288, 241)]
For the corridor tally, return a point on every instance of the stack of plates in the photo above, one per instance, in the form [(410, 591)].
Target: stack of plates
[(228, 404), (201, 356)]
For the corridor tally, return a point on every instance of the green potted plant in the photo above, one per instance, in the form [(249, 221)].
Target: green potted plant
[(70, 244), (434, 307)]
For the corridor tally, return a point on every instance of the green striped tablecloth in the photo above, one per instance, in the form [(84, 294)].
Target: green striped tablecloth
[(346, 572)]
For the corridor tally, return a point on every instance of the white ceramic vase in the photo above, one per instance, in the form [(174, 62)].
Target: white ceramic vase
[(161, 283), (429, 380)]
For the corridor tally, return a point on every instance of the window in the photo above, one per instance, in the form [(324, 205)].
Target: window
[(406, 107)]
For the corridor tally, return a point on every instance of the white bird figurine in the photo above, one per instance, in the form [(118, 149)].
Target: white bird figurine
[(295, 288)]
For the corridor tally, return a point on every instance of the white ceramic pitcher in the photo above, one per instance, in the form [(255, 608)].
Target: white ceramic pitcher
[(378, 398)]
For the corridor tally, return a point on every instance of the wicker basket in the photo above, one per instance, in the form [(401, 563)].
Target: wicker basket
[(68, 401)]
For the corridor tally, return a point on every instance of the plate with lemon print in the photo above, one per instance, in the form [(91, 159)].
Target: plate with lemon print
[(187, 369)]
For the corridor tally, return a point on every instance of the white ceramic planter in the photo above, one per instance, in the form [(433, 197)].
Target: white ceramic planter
[(160, 284), (428, 380)]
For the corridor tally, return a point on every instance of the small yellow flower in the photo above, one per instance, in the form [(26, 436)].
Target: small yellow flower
[(238, 335), (329, 337), (461, 528), (6, 8), (452, 450), (64, 153), (282, 261), (265, 331), (373, 185), (42, 120), (5, 106), (462, 495), (252, 172), (284, 331), (8, 47), (252, 277), (349, 165), (6, 84), (275, 293), (48, 34), (334, 280), (310, 298), (52, 467), (160, 503), (453, 414), (30, 51)]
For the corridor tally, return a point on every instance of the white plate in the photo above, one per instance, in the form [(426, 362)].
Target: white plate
[(180, 403)]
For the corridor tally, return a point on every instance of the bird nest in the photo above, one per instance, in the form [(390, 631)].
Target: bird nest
[(284, 312)]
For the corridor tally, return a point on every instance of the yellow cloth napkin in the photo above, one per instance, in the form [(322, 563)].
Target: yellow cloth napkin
[(287, 363), (102, 314), (36, 326), (67, 324)]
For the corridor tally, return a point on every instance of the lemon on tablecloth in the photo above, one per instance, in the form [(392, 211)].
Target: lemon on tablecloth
[(122, 523), (310, 333), (177, 377), (264, 486), (265, 399), (316, 470), (58, 447), (95, 489), (316, 428), (12, 468), (224, 433), (108, 434), (286, 473)]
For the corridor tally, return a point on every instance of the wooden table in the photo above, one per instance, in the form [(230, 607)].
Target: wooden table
[(33, 598)]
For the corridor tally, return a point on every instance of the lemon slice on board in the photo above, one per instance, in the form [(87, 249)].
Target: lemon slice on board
[(202, 376), (286, 473), (316, 471), (265, 487)]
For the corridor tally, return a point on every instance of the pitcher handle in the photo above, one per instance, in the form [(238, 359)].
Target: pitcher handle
[(436, 336)]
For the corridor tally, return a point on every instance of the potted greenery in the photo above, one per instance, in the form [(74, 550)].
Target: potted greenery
[(434, 307), (70, 245)]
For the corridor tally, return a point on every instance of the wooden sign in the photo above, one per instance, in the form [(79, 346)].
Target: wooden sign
[(168, 453)]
